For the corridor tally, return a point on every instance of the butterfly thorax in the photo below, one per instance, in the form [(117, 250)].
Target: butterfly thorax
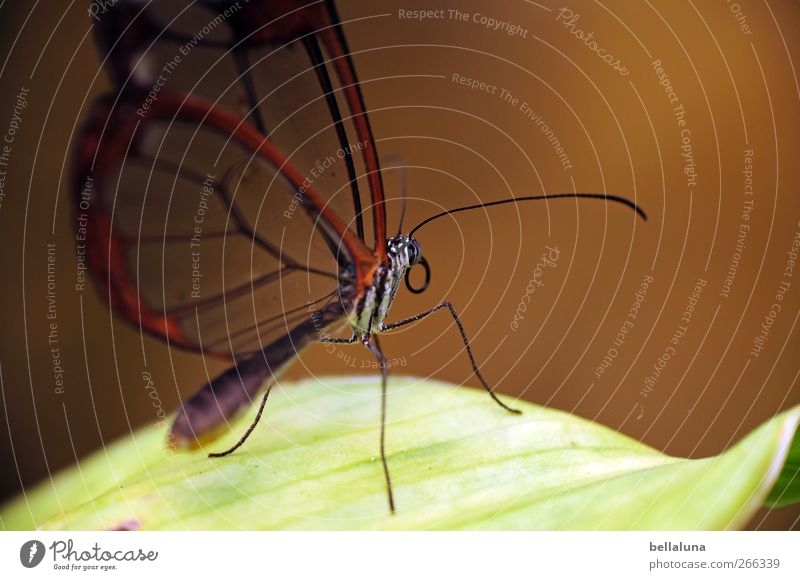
[(401, 253)]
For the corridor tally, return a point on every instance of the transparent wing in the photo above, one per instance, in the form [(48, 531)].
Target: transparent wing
[(198, 234), (225, 203)]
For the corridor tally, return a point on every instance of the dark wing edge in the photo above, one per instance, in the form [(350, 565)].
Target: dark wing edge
[(323, 18), (335, 43)]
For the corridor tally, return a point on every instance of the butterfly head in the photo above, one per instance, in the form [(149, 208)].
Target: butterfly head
[(405, 252)]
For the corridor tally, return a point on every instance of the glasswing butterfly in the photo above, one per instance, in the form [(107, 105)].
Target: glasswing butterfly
[(226, 169)]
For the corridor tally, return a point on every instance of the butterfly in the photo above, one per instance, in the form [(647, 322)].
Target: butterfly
[(231, 196)]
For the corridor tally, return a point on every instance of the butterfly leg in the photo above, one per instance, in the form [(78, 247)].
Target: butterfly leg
[(250, 428), (374, 346), (329, 340), (475, 369)]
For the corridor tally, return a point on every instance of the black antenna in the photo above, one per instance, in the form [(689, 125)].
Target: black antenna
[(602, 196), (397, 162), (404, 190)]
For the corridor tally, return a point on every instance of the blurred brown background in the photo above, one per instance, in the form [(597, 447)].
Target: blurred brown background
[(732, 73)]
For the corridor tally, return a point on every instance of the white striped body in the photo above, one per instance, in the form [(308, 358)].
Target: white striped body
[(373, 307)]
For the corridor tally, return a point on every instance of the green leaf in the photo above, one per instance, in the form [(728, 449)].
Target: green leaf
[(457, 461), (787, 489)]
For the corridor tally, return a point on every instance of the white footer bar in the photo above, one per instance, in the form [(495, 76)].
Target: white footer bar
[(400, 555)]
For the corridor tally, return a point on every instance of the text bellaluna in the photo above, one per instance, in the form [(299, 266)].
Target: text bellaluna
[(679, 547)]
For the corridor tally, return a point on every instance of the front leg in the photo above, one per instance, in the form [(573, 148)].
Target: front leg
[(475, 369), (375, 349)]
